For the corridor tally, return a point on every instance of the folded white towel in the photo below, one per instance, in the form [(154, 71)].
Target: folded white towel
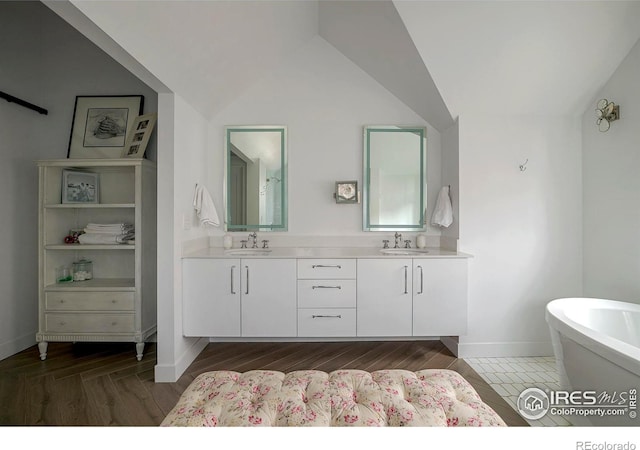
[(105, 238), (443, 212), (116, 228), (203, 204)]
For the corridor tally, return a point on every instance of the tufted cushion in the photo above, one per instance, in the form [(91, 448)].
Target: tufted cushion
[(340, 398)]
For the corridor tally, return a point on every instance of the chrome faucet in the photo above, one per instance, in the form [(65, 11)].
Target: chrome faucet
[(398, 237), (254, 238)]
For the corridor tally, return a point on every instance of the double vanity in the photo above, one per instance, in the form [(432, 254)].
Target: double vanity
[(317, 292), (324, 293)]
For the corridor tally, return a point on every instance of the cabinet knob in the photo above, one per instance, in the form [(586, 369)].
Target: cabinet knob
[(61, 300), (114, 323), (114, 301), (63, 324)]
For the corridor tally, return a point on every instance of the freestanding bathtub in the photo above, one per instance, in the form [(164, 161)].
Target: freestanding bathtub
[(596, 344)]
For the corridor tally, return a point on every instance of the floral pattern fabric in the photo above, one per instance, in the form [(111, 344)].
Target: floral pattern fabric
[(432, 397)]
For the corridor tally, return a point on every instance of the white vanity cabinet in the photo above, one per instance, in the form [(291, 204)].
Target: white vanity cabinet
[(211, 297), (412, 297), (384, 300), (239, 297), (268, 291), (284, 295), (326, 297), (440, 297)]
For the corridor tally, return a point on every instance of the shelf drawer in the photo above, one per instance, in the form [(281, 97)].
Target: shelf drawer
[(326, 293), (89, 323), (327, 269), (89, 301), (327, 322)]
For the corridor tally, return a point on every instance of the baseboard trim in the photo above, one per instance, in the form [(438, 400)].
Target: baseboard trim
[(170, 373), (504, 349), (323, 339), (14, 346)]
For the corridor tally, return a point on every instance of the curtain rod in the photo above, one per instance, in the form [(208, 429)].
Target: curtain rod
[(12, 99)]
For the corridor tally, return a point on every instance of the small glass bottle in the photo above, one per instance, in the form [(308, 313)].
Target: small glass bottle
[(227, 241)]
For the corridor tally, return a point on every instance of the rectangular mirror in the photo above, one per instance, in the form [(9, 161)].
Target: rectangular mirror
[(394, 178), (255, 178)]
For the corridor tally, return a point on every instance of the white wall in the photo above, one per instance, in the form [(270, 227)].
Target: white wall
[(451, 177), (524, 228), (181, 164), (612, 190), (48, 63), (325, 101)]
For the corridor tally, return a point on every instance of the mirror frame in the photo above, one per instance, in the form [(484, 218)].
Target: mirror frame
[(285, 178), (422, 132)]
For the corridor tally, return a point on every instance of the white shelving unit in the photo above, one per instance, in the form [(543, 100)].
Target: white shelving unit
[(119, 303)]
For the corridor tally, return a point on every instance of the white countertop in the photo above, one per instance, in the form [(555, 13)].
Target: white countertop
[(324, 252)]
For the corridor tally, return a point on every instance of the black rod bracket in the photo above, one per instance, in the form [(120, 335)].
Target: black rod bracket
[(12, 99)]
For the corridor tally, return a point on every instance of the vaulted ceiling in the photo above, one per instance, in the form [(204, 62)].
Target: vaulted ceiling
[(441, 58)]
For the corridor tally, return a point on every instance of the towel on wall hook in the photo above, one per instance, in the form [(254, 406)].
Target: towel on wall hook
[(203, 204), (443, 212)]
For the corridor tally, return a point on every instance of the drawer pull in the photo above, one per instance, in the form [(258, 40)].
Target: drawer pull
[(315, 266), (233, 289), (113, 324), (405, 280), (63, 324), (326, 287), (315, 316), (61, 300), (114, 301)]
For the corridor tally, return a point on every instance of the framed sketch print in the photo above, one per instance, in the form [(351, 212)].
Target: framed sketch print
[(138, 138), (79, 187), (101, 125)]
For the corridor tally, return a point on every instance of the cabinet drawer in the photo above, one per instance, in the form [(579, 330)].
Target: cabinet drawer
[(327, 269), (326, 293), (89, 301), (89, 323), (324, 322)]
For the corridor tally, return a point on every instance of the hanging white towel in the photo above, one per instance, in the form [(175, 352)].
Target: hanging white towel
[(443, 212), (203, 204)]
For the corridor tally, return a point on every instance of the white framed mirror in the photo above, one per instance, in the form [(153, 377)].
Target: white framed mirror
[(394, 191), (255, 178)]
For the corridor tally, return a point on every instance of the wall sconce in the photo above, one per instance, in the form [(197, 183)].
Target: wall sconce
[(347, 192), (606, 112)]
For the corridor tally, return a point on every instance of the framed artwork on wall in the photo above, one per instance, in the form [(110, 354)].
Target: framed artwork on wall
[(79, 187), (101, 125), (139, 137)]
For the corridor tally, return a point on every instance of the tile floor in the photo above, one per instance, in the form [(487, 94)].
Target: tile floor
[(510, 376)]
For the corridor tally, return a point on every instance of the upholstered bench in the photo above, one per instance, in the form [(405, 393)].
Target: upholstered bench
[(340, 398)]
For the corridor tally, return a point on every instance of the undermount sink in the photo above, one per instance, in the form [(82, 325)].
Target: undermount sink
[(248, 251), (403, 251)]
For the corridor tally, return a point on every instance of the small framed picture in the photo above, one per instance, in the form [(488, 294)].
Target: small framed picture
[(79, 187), (139, 137), (102, 124)]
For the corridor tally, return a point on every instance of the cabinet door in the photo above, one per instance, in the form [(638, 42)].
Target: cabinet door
[(269, 306), (440, 297), (211, 297), (384, 297)]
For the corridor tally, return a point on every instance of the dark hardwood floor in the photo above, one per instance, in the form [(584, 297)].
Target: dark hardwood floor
[(97, 384)]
